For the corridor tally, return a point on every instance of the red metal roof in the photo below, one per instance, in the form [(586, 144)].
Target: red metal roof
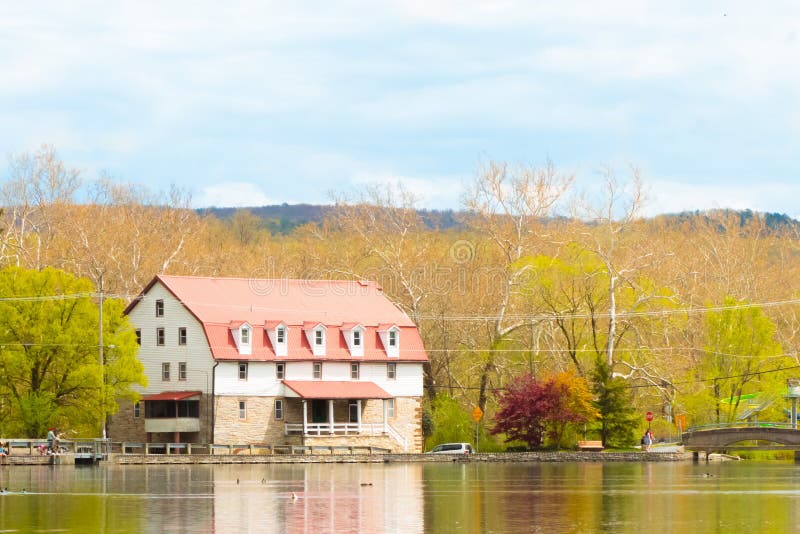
[(220, 302), (172, 395), (318, 389)]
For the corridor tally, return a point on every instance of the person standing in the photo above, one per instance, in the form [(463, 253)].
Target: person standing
[(647, 440), (51, 439)]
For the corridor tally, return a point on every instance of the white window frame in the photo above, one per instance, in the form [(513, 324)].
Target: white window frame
[(390, 408), (355, 371), (165, 372), (161, 336), (139, 336), (242, 410), (160, 308), (280, 370), (183, 335), (244, 335), (280, 335), (391, 371), (182, 371), (137, 410), (242, 368), (316, 370), (279, 409)]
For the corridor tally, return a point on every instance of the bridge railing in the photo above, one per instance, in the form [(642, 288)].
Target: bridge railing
[(740, 424)]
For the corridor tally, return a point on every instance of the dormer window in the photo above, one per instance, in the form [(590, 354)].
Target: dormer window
[(390, 338), (316, 336), (354, 337), (242, 336), (278, 334)]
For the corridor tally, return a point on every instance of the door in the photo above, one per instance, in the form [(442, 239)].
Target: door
[(319, 411)]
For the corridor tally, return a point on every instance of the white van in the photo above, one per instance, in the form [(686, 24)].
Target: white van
[(452, 448)]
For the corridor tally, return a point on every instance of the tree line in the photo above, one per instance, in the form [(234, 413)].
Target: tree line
[(691, 314)]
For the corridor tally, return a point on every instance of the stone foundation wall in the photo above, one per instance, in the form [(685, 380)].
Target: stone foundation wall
[(400, 458), (260, 425), (124, 427)]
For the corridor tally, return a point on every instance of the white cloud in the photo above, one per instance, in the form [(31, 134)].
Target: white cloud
[(232, 195), (673, 196)]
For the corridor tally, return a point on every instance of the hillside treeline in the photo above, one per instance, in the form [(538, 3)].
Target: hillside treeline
[(694, 312)]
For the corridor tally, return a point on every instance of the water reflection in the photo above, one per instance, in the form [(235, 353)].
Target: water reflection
[(448, 497)]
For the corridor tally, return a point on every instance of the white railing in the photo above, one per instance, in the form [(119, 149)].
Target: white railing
[(397, 436), (346, 429)]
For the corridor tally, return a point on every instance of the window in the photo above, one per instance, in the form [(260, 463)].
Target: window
[(181, 370), (389, 407), (171, 409), (165, 371), (245, 336), (280, 335), (159, 308), (279, 409), (319, 337), (182, 335), (160, 337), (392, 338), (242, 370), (391, 371), (353, 405), (354, 371), (318, 370), (138, 336), (280, 370), (137, 409), (242, 409), (356, 338)]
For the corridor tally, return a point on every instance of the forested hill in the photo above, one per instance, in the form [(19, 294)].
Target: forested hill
[(283, 218)]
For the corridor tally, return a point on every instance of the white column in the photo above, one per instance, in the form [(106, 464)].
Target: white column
[(330, 413), (358, 414), (305, 418), (385, 417)]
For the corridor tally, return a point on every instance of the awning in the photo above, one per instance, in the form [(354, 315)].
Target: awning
[(318, 389), (172, 395)]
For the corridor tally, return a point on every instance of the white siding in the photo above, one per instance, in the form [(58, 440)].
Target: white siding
[(260, 381), (195, 353)]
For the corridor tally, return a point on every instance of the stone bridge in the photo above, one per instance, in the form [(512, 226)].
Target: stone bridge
[(778, 436)]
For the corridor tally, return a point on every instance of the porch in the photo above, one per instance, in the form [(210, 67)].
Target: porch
[(331, 409)]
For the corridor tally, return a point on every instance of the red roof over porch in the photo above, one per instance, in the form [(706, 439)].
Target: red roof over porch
[(317, 389), (172, 395)]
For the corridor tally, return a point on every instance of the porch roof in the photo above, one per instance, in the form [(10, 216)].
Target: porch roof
[(318, 389), (172, 395)]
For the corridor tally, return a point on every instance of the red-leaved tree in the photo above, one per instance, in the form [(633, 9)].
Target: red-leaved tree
[(531, 411)]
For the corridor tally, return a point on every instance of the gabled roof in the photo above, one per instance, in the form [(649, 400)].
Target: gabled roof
[(219, 303)]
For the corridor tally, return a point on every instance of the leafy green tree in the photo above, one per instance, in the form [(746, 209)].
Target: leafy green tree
[(50, 373), (613, 402), (451, 423), (740, 346)]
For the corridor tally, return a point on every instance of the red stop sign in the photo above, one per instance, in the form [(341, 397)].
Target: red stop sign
[(649, 416)]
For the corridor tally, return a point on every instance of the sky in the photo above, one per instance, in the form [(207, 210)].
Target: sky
[(254, 103)]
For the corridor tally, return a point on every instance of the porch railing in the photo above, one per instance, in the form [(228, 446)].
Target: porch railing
[(346, 429)]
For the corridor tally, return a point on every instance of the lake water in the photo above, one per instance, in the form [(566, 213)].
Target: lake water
[(729, 497)]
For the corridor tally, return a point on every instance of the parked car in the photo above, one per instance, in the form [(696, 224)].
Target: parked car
[(452, 448)]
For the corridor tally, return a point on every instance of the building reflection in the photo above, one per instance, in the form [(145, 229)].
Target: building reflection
[(318, 498)]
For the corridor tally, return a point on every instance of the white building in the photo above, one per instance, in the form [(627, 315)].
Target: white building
[(293, 362)]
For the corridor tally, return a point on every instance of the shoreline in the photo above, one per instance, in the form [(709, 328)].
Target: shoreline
[(68, 459)]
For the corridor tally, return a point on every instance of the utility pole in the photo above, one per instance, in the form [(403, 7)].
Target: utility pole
[(102, 363)]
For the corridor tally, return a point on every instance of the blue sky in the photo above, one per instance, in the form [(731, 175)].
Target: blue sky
[(265, 102)]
